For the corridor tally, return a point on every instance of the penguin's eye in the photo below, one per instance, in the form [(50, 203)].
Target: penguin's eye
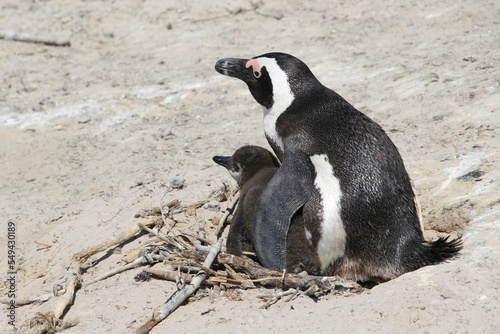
[(256, 70)]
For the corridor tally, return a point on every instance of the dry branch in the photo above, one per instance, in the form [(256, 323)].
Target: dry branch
[(181, 295), (173, 276), (28, 38), (139, 261), (83, 256), (52, 321), (44, 323), (161, 237), (69, 296), (246, 284)]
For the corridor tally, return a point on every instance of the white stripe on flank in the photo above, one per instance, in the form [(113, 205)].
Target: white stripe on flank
[(331, 246), (282, 97)]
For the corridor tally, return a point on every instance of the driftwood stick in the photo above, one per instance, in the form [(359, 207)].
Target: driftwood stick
[(69, 296), (153, 232), (161, 237), (139, 261), (83, 256), (43, 244), (246, 265), (172, 276), (193, 235), (181, 295), (168, 275), (274, 297), (28, 38), (47, 323), (246, 284)]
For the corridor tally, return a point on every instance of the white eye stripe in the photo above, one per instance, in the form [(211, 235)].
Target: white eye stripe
[(282, 97)]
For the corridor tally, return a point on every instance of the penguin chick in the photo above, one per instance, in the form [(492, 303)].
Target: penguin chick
[(252, 167), (340, 169)]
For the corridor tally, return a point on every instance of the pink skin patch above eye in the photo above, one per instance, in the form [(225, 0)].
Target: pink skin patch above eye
[(255, 67)]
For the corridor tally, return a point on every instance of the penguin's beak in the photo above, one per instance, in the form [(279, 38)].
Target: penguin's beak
[(234, 67), (222, 160)]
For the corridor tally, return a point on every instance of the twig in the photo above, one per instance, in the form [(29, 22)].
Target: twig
[(139, 261), (168, 275), (181, 295), (161, 237), (135, 253), (28, 38), (275, 297), (43, 244), (246, 284), (199, 247), (193, 235), (46, 323), (291, 294), (69, 296), (172, 276), (83, 256)]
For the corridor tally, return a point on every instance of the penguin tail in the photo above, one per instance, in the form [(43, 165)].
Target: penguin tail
[(441, 250)]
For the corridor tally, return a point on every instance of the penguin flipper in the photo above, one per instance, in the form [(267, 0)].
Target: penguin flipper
[(288, 190)]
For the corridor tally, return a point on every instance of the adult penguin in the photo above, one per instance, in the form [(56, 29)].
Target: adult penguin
[(341, 169)]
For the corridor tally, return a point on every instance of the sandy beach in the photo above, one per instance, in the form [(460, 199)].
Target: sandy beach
[(130, 115)]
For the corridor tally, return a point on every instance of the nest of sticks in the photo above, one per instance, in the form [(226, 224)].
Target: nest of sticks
[(191, 260)]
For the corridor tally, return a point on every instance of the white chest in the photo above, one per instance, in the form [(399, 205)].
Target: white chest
[(331, 246), (270, 118)]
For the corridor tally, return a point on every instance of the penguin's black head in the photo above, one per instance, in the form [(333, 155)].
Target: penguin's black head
[(246, 162), (272, 78)]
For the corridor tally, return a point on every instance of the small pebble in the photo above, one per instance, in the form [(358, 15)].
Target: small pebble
[(84, 119), (166, 134), (212, 206)]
